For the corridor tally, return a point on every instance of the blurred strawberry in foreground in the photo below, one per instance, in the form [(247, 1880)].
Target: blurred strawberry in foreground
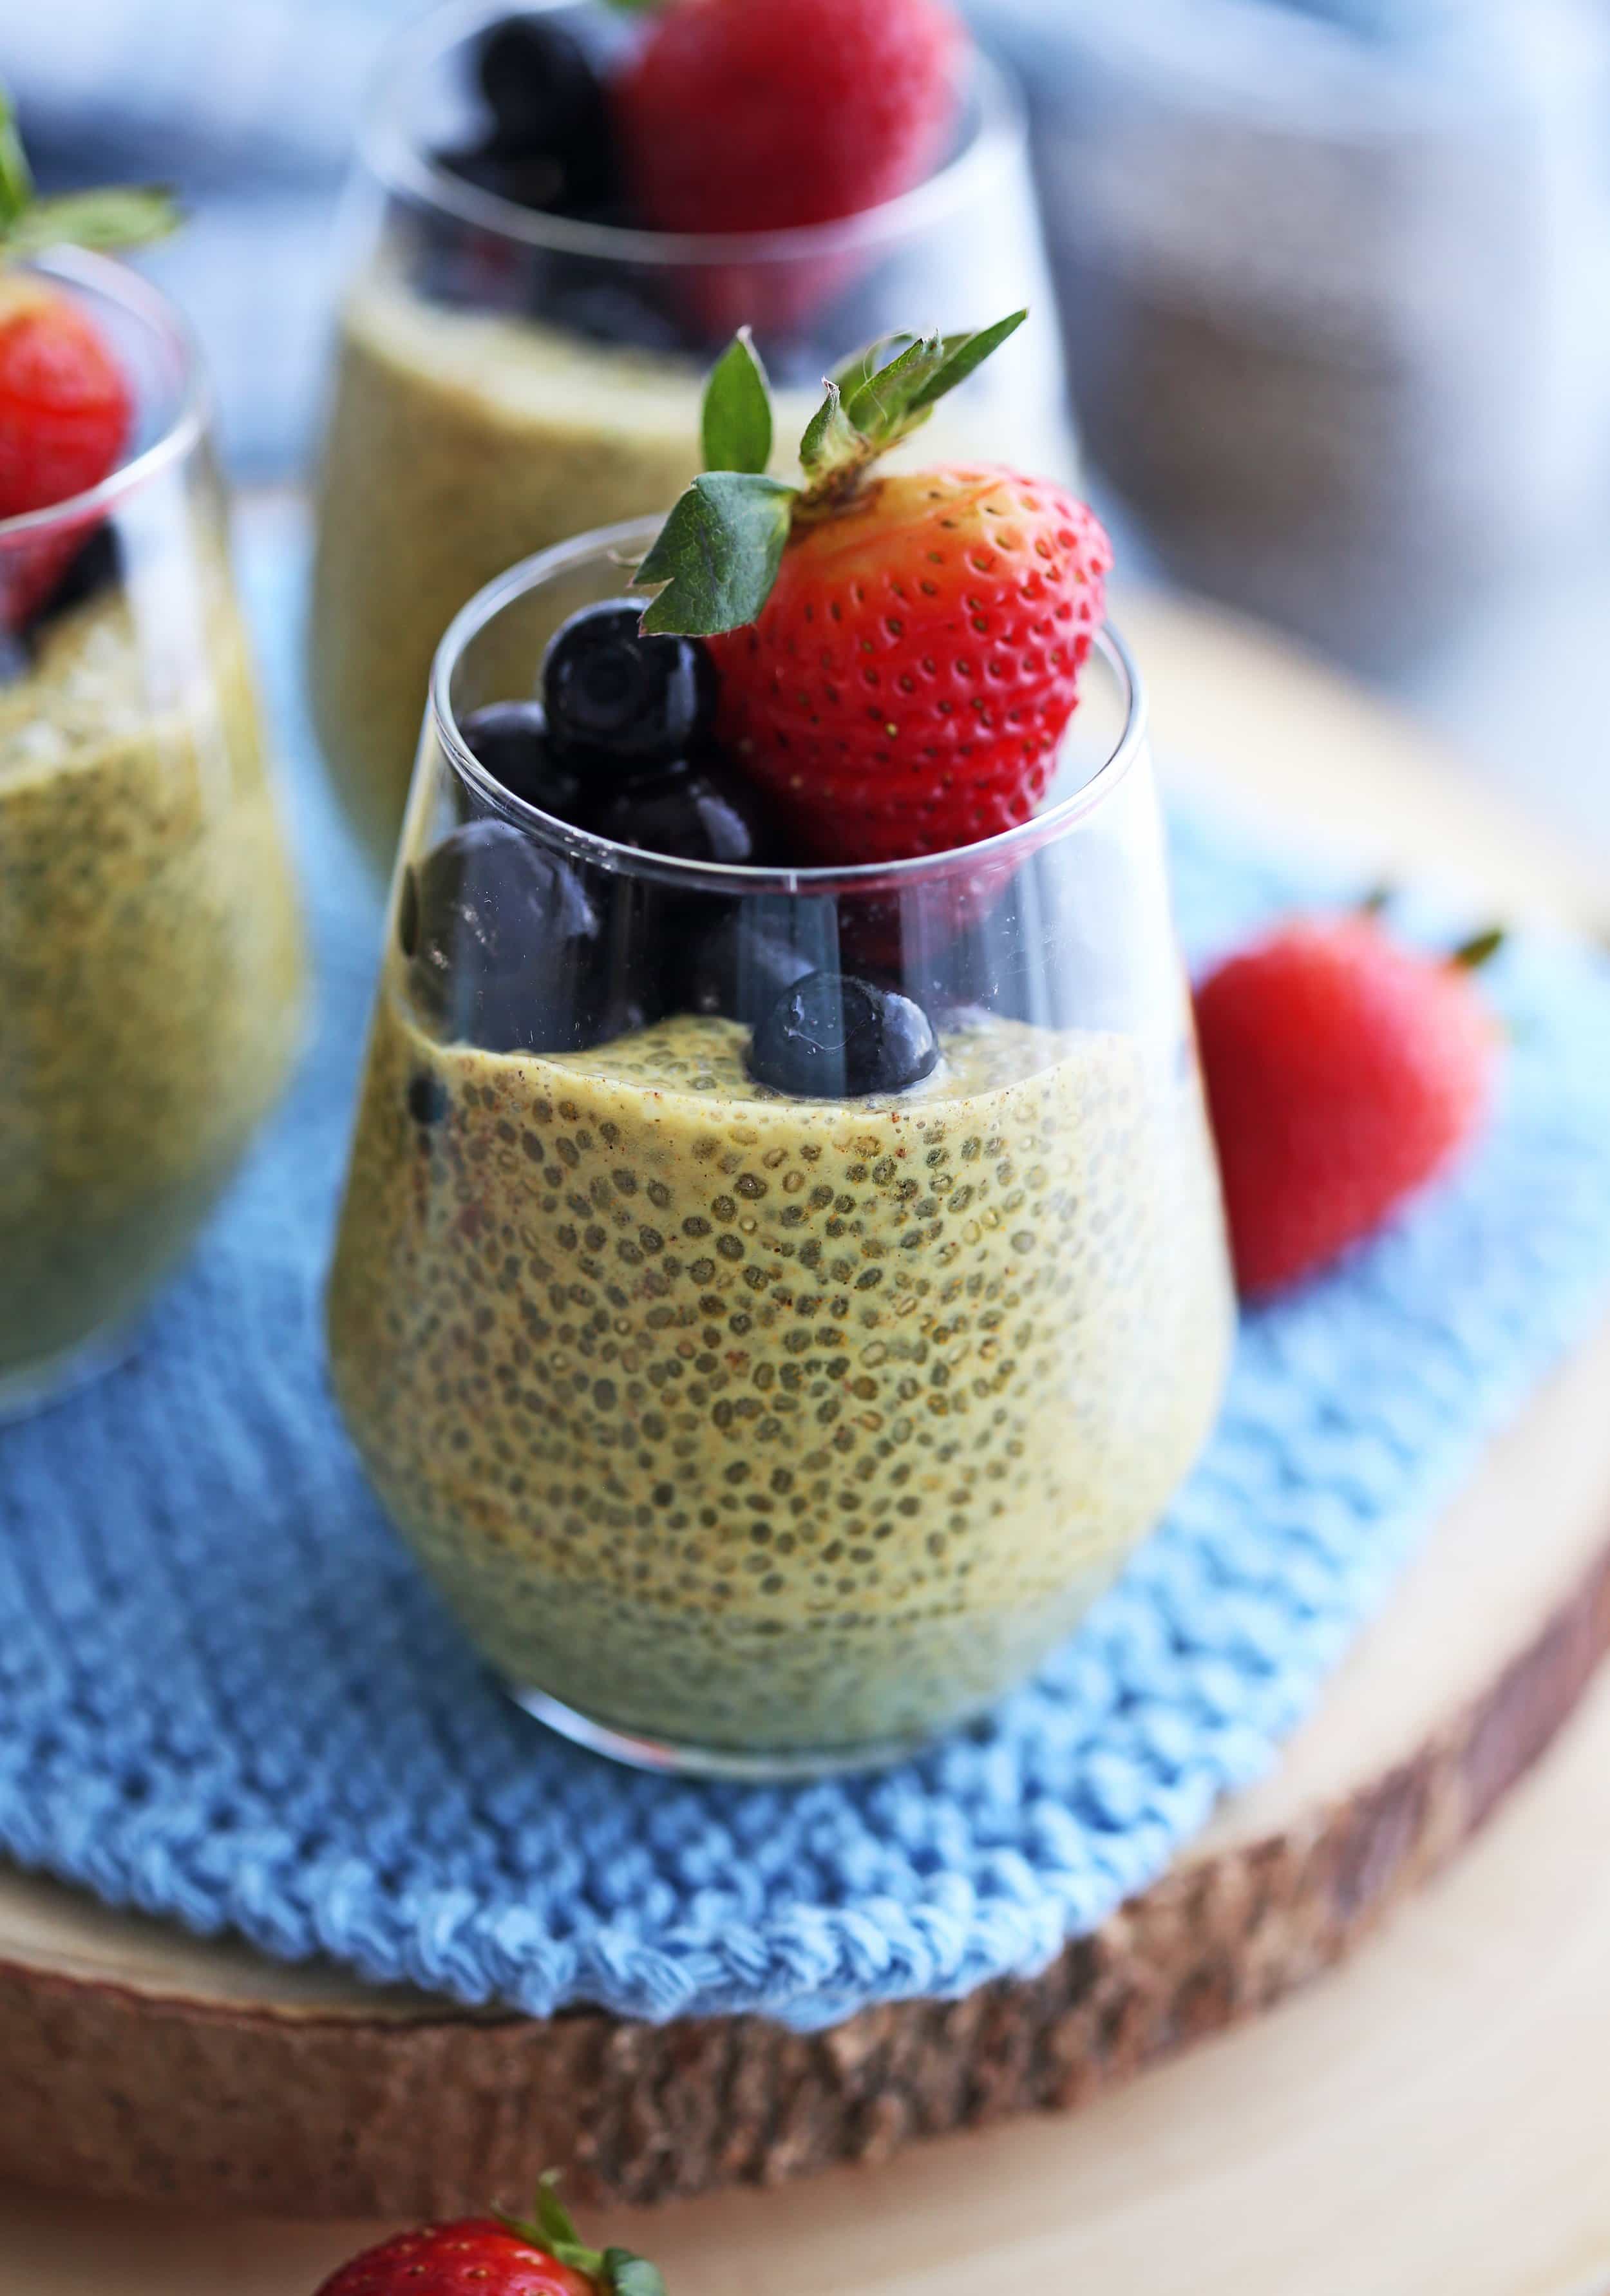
[(1345, 1072), (756, 115), (495, 2256), (898, 655), (65, 405)]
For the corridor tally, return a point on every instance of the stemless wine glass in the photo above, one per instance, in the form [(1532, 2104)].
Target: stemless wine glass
[(755, 1427), (150, 949), (506, 378)]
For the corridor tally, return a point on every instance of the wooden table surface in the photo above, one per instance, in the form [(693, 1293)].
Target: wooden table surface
[(1430, 2117)]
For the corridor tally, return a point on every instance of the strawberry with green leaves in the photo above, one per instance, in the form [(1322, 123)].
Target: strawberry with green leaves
[(497, 2255), (899, 651), (65, 405), (1344, 1071)]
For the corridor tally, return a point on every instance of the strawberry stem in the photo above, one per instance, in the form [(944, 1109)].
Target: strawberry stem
[(613, 2271), (716, 558), (1479, 949)]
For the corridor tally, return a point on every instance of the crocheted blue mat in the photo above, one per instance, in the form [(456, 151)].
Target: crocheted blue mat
[(226, 1696)]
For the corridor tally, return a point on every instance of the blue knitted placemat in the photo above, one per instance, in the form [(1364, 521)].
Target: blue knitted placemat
[(226, 1695)]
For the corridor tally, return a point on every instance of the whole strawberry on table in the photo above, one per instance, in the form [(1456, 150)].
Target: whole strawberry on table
[(497, 2255), (1345, 1072)]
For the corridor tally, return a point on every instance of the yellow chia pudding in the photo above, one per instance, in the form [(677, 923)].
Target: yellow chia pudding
[(774, 1423), (460, 442), (150, 965)]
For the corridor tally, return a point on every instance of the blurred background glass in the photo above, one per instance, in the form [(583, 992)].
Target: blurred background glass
[(1335, 278)]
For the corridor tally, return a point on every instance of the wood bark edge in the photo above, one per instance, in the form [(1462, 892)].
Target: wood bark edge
[(123, 2093)]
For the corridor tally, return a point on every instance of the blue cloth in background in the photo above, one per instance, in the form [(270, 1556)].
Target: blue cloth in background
[(227, 1697)]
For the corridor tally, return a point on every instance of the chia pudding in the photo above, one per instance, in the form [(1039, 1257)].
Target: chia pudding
[(768, 1423), (150, 965), (782, 1271)]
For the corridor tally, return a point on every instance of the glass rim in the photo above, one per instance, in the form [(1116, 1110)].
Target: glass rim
[(78, 266), (739, 879), (398, 165)]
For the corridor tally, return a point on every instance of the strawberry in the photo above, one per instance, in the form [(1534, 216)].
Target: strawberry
[(65, 405), (754, 115), (64, 418), (907, 683), (1345, 1072), (899, 656), (495, 2256)]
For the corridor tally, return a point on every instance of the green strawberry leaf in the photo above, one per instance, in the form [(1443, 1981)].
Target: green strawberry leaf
[(626, 2274), (832, 441), (879, 407), (737, 410), (129, 216), (553, 2230), (123, 216), (717, 554), (865, 363), (16, 176), (888, 402), (1479, 949), (962, 355), (715, 559)]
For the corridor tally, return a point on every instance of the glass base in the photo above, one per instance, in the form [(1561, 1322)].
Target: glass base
[(35, 1387), (672, 1758)]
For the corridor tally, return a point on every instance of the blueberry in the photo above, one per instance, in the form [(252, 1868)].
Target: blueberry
[(700, 810), (624, 309), (736, 967), (509, 952), (510, 741), (98, 566), (833, 1037), (548, 104), (639, 700), (526, 179)]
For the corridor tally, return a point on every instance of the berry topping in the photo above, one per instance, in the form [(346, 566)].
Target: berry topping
[(826, 107), (511, 739), (497, 2255), (736, 968), (700, 811), (635, 701), (833, 1037), (899, 656), (65, 405), (505, 949), (1344, 1071), (552, 143)]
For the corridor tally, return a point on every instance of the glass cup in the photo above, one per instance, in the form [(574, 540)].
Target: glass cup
[(149, 950), (504, 379), (750, 1431)]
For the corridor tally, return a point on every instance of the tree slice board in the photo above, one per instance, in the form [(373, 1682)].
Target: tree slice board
[(143, 2063)]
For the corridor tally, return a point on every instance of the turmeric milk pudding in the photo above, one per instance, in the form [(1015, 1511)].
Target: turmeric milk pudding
[(150, 963), (782, 1271), (765, 1423)]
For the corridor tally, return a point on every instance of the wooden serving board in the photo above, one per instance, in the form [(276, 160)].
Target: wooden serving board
[(138, 2062)]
